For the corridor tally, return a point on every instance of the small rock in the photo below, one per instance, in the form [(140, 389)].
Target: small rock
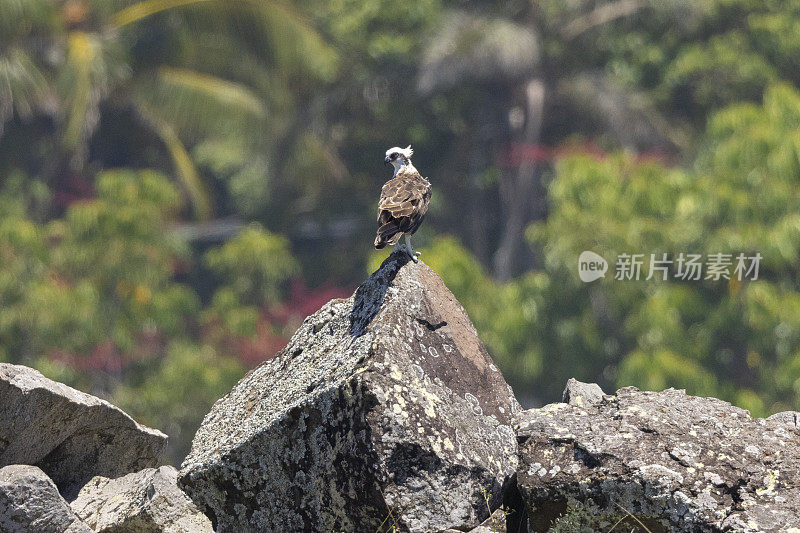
[(494, 524), (70, 435), (787, 418), (30, 502), (144, 501), (581, 394)]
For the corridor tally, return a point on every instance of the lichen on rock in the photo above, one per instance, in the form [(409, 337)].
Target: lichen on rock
[(72, 436), (384, 410), (663, 460), (30, 502), (139, 502)]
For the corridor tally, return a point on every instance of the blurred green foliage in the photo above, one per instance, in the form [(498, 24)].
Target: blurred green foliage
[(253, 264), (176, 395), (92, 300), (737, 340), (102, 272), (618, 127)]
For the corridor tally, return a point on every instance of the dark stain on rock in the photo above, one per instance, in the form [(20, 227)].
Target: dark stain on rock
[(432, 327), (369, 296)]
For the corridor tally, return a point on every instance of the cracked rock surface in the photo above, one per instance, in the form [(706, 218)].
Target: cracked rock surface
[(30, 502), (675, 462), (141, 502), (72, 436), (383, 411)]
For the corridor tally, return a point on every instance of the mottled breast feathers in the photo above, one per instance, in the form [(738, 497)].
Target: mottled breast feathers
[(404, 202)]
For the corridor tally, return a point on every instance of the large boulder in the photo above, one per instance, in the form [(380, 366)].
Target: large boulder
[(70, 435), (663, 461), (30, 502), (383, 411), (145, 501)]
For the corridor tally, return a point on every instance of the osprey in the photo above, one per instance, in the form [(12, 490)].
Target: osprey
[(404, 201)]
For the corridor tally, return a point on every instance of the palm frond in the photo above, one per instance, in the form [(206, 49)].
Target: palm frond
[(276, 31), (292, 40), (81, 53), (472, 48), (184, 166), (209, 51), (95, 64), (627, 114), (145, 9), (295, 41), (19, 17), (199, 104), (23, 87), (600, 15), (232, 96)]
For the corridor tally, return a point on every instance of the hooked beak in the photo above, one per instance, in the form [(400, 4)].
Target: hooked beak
[(387, 160)]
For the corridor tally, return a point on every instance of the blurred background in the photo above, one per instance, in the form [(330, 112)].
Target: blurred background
[(183, 181)]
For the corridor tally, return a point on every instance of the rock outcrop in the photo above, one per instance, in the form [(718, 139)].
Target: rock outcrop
[(144, 501), (30, 502), (384, 411), (661, 460), (70, 435)]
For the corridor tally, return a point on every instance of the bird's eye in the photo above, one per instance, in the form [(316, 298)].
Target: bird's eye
[(394, 155)]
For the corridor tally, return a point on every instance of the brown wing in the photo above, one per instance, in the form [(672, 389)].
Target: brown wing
[(402, 207)]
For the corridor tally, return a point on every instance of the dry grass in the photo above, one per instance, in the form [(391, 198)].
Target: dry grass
[(627, 514)]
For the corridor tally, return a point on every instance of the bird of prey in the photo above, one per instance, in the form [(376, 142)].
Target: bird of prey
[(404, 201)]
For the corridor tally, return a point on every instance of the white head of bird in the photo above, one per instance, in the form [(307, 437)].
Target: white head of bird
[(399, 158)]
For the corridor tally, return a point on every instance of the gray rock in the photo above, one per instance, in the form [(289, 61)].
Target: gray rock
[(142, 502), (494, 524), (672, 461), (789, 418), (30, 502), (384, 410), (70, 435), (580, 393)]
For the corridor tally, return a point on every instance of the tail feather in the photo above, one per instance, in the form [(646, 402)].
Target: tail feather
[(388, 237)]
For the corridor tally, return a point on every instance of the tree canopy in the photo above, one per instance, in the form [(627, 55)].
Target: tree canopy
[(183, 181)]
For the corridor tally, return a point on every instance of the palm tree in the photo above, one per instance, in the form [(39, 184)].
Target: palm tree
[(71, 63), (522, 73)]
